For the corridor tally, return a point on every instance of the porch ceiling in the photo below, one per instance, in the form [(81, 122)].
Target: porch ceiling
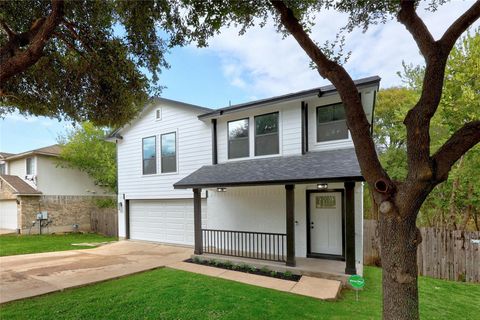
[(332, 165)]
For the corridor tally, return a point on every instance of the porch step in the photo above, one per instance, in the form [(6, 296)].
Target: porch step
[(323, 289)]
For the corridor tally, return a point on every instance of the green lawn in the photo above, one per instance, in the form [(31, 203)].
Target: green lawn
[(21, 244), (172, 294)]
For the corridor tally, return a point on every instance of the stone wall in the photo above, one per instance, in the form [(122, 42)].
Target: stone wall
[(6, 192), (63, 212)]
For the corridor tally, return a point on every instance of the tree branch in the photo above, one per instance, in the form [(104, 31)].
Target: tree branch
[(458, 144), (459, 26), (44, 29), (422, 36), (356, 119), (7, 29)]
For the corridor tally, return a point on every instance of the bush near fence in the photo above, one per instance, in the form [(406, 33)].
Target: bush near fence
[(443, 254)]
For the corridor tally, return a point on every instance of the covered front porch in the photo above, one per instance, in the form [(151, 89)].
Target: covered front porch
[(279, 223)]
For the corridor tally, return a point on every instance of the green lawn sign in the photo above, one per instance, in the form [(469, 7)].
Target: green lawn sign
[(357, 282)]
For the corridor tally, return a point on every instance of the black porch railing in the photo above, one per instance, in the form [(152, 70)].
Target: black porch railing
[(245, 244)]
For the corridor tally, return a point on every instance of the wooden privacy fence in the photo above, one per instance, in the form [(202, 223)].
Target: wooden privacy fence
[(104, 222), (443, 254)]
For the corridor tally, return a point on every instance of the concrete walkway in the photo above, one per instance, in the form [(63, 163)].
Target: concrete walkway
[(307, 286), (30, 275)]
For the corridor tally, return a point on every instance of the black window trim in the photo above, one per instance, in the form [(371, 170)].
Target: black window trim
[(255, 134), (176, 153), (143, 158), (228, 138), (316, 124)]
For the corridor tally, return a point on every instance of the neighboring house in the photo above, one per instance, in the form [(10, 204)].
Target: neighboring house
[(275, 179), (33, 182)]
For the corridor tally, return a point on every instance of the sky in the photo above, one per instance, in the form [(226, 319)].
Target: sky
[(260, 64)]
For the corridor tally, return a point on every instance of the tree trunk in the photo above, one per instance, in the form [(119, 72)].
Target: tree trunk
[(399, 238)]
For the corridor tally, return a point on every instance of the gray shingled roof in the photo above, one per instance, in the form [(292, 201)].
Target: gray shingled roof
[(319, 91), (332, 165)]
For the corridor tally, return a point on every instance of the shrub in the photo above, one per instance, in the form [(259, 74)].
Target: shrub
[(265, 269), (288, 274)]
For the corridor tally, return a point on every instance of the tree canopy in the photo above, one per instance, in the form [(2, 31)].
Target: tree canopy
[(86, 60)]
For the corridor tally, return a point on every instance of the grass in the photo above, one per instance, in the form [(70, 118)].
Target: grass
[(172, 294), (22, 244)]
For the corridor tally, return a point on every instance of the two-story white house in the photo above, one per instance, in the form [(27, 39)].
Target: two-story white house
[(275, 179), (33, 181)]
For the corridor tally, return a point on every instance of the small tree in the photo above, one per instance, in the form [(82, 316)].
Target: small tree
[(85, 148)]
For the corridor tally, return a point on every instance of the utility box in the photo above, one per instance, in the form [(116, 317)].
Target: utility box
[(42, 215)]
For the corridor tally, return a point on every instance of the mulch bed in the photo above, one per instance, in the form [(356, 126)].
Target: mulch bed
[(246, 268)]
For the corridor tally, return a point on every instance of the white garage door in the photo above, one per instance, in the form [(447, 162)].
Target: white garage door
[(169, 221), (8, 214)]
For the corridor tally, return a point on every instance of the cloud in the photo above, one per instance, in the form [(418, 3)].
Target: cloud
[(263, 64)]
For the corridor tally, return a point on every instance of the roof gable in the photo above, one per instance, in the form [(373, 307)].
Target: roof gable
[(19, 186)]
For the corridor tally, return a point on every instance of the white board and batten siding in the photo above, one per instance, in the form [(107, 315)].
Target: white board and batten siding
[(290, 130), (367, 96), (194, 149)]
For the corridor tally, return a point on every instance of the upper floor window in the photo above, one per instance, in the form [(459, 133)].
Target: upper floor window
[(169, 152), (149, 155), (266, 134), (2, 168), (331, 123), (238, 146), (30, 166), (158, 114)]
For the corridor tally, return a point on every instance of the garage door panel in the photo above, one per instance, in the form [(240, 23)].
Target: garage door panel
[(8, 214), (169, 221)]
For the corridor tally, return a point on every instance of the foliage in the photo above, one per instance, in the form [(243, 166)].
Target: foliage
[(84, 148), (23, 244), (95, 63), (460, 104), (175, 294), (108, 202)]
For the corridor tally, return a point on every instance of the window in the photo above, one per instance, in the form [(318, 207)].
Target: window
[(238, 146), (149, 155), (158, 114), (2, 168), (325, 202), (30, 166), (331, 123), (169, 152), (266, 134)]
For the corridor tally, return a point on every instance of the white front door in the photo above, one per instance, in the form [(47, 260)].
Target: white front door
[(326, 223)]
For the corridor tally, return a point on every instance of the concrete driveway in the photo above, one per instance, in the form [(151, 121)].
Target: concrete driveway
[(30, 275)]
